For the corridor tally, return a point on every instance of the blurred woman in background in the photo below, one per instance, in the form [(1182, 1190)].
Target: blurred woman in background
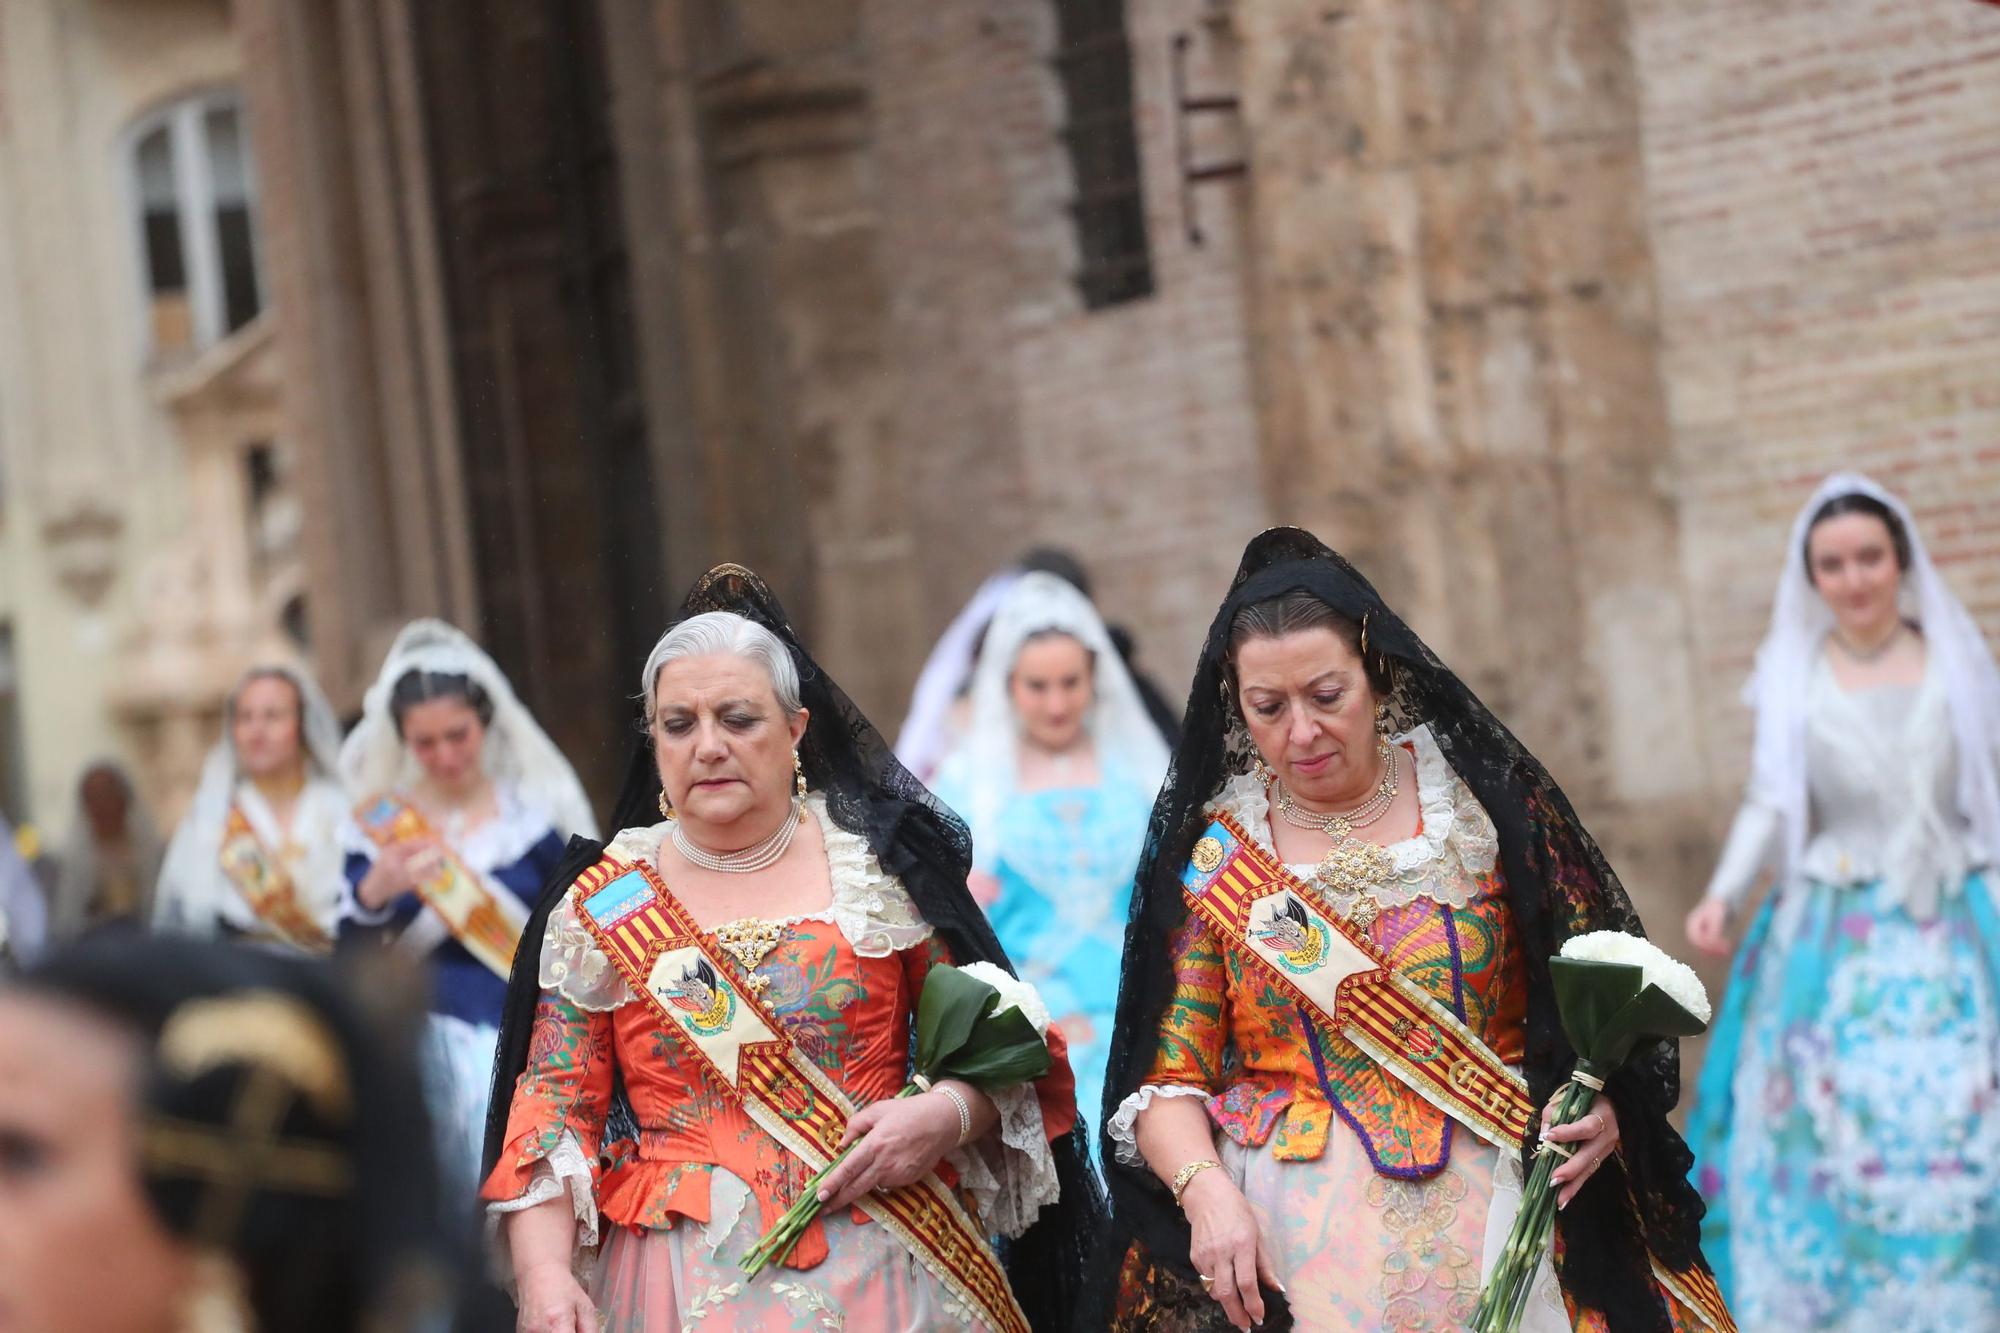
[(1848, 1118), (111, 860), (258, 855), (465, 807), (1056, 776)]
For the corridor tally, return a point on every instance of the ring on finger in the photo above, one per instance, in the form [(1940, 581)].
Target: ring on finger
[(1205, 1278)]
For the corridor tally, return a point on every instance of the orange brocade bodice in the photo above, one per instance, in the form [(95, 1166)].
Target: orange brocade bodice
[(1270, 1068), (848, 1013)]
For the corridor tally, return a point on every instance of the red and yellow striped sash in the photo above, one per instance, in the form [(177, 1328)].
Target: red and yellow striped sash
[(488, 924), (267, 886), (1335, 970), (695, 991)]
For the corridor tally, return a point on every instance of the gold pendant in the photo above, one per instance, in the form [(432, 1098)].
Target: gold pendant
[(749, 941), (1350, 872)]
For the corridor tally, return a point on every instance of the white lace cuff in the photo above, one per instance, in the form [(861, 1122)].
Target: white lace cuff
[(1012, 1176), (1123, 1131), (564, 1169), (575, 968)]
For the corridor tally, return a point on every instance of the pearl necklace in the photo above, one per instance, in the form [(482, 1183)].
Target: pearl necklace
[(1875, 654), (747, 860), (1361, 816)]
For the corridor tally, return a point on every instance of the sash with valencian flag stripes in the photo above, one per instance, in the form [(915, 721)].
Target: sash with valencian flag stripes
[(1326, 963), (266, 885), (691, 986), (488, 924), (1334, 969)]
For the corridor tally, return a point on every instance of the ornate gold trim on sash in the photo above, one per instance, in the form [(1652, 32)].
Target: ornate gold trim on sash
[(488, 924), (1332, 967), (264, 883), (1696, 1290), (699, 996)]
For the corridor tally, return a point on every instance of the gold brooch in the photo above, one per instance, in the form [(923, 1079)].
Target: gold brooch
[(748, 942), (1207, 856), (1350, 871)]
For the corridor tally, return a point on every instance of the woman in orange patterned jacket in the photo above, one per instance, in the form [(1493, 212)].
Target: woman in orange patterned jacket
[(1336, 1027), (792, 880)]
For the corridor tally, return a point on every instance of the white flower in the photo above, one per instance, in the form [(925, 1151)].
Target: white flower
[(1014, 994), (1670, 974)]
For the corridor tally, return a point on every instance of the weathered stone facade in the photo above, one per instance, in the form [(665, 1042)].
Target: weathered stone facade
[(149, 530), (1548, 313)]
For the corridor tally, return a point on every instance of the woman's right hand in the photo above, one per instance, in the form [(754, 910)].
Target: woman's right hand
[(1708, 927), (397, 871), (1228, 1248), (552, 1301)]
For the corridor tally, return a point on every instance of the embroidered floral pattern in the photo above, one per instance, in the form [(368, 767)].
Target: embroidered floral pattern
[(1274, 1075), (1427, 1267)]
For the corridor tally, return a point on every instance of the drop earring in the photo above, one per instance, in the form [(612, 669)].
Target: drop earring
[(666, 806)]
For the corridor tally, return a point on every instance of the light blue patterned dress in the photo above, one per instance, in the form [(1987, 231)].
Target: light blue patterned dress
[(1847, 1122), (1065, 858)]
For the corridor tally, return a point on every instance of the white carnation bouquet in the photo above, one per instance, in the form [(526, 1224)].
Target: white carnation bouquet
[(976, 1024), (1613, 991)]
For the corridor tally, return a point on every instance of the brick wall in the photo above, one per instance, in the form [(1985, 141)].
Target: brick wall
[(1824, 199), (1125, 433)]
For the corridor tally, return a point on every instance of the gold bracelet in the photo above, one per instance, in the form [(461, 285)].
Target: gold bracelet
[(1188, 1173)]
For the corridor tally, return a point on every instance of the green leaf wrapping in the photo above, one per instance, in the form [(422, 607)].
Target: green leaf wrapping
[(1589, 996), (1002, 1051), (949, 1009)]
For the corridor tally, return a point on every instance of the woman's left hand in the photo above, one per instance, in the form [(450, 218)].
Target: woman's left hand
[(1591, 1137), (895, 1143)]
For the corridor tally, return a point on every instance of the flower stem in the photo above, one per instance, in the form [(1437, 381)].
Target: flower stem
[(788, 1230), (1505, 1297)]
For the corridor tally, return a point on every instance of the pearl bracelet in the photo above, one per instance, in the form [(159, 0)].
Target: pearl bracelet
[(964, 1111)]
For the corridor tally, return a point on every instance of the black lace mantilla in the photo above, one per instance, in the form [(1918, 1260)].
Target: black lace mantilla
[(1638, 1206), (870, 794)]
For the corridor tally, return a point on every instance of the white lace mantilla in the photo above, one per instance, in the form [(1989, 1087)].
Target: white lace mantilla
[(872, 910), (1455, 846)]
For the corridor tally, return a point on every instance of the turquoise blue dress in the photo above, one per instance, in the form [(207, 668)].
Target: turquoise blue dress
[(1065, 858), (1847, 1121)]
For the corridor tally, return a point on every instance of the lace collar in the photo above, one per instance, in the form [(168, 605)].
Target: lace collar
[(869, 906), (1443, 861)]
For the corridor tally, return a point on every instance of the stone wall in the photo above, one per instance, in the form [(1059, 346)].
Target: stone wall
[(1457, 343), (1126, 433)]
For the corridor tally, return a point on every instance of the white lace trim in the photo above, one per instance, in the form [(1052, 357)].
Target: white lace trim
[(1457, 842), (565, 1169), (873, 911), (1123, 1129), (1011, 1180)]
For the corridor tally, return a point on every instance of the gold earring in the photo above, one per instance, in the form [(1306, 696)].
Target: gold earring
[(1382, 717), (799, 769), (666, 806), (1262, 770)]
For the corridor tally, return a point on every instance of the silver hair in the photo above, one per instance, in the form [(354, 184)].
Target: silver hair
[(715, 633)]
